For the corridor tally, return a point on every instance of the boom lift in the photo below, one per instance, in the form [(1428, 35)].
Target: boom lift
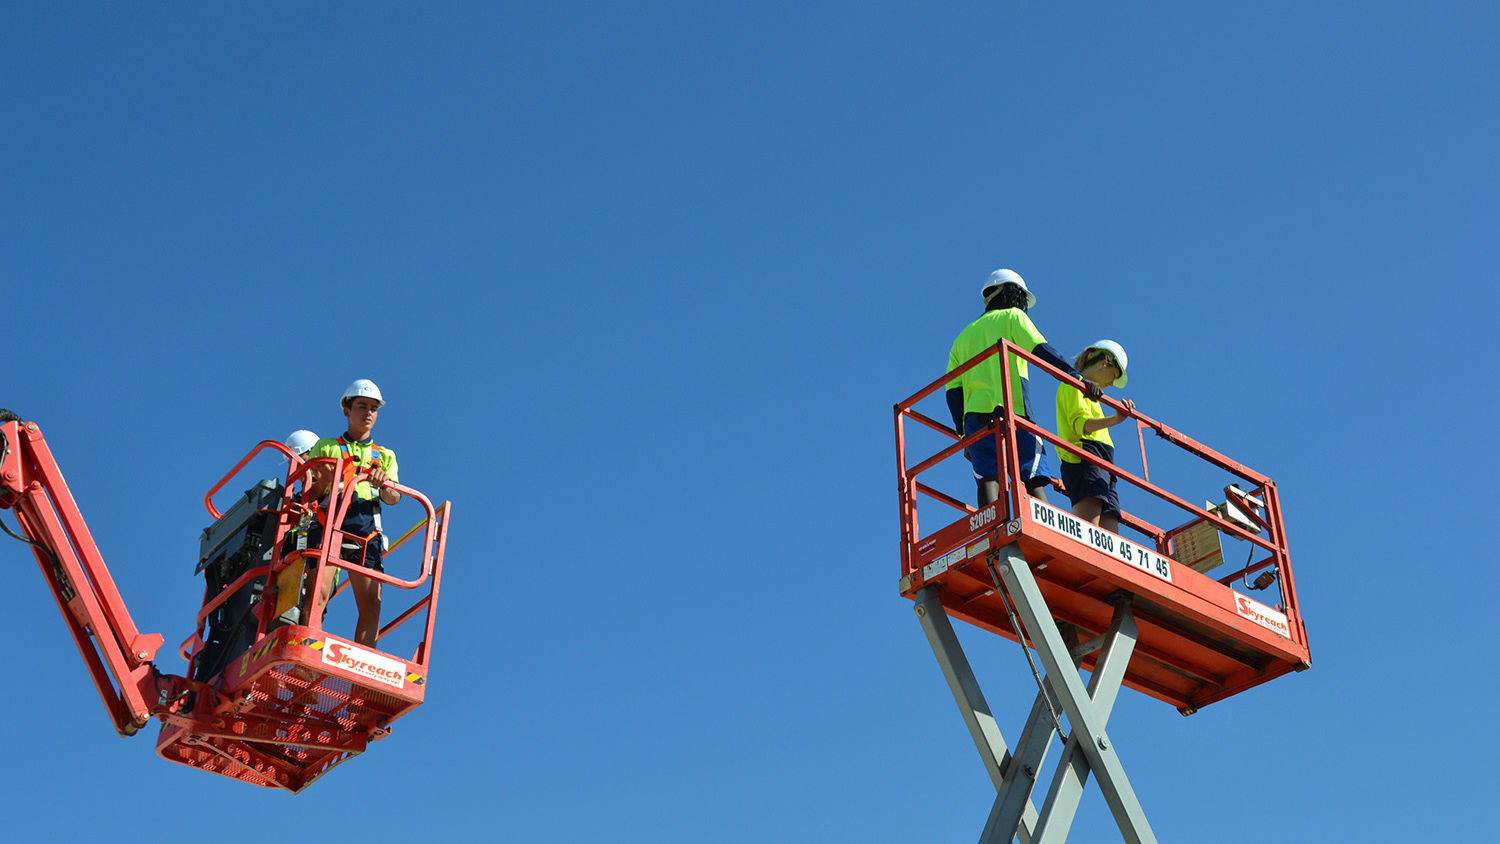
[(1142, 612), (271, 698)]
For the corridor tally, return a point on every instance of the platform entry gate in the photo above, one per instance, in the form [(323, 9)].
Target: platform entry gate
[(1142, 608)]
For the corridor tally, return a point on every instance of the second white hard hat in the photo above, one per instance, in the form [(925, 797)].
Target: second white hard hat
[(1002, 277), (301, 441), (1118, 352), (363, 388)]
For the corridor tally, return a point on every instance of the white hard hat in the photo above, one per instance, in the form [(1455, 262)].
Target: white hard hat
[(1002, 277), (301, 441), (1117, 352), (363, 388)]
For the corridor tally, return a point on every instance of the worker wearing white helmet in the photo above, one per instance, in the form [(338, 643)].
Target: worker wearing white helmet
[(363, 544), (1081, 421), (362, 387), (300, 441), (975, 398)]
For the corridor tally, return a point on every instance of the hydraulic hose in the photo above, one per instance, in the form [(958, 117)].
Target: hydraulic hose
[(57, 571)]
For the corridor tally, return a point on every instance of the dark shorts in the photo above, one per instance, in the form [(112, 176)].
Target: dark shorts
[(1032, 451), (372, 553), (1085, 481)]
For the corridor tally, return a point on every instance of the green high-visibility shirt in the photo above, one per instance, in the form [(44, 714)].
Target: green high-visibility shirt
[(982, 384), (363, 454)]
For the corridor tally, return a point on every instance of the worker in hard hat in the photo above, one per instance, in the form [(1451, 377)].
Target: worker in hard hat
[(1081, 421), (363, 544), (974, 398), (301, 441)]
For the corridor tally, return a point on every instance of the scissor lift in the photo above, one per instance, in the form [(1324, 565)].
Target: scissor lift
[(279, 704), (1133, 611)]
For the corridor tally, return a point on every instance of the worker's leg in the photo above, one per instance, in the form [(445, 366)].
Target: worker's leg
[(327, 582), (989, 490), (1037, 488), (367, 594), (1092, 491), (1109, 517), (367, 602), (1088, 509), (1031, 452), (330, 580), (982, 455), (1035, 473)]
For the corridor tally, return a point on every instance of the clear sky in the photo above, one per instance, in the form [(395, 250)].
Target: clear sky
[(641, 282)]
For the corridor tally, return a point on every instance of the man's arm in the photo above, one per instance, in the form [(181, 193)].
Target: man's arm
[(1046, 352), (322, 475), (381, 475), (1050, 355), (1092, 425), (378, 479), (956, 408)]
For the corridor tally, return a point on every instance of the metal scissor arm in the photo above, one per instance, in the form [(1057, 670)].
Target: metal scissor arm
[(1087, 749)]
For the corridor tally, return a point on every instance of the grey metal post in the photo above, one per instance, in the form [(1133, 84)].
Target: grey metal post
[(1087, 725), (971, 703), (1061, 804), (1021, 775)]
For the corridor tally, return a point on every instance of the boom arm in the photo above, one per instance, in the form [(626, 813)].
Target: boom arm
[(119, 657)]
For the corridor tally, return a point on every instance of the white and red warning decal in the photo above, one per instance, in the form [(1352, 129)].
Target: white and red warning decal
[(377, 667), (1114, 545), (1263, 615), (954, 557)]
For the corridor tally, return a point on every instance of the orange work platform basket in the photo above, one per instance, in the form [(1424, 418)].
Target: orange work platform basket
[(271, 698), (286, 701), (1200, 639), (293, 707)]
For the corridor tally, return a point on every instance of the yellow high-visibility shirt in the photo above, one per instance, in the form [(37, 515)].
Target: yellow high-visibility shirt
[(982, 384), (1073, 409), (363, 455)]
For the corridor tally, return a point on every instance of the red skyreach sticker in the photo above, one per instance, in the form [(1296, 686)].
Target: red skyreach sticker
[(1262, 615), (377, 667)]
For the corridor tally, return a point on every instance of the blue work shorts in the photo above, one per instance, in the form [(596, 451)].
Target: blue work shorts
[(1032, 451), (1082, 480)]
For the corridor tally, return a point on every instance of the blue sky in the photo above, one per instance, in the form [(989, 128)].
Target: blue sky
[(641, 282)]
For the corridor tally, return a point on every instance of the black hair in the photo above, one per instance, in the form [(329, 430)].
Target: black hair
[(1010, 296)]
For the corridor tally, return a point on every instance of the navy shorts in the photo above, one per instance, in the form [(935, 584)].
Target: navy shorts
[(1082, 480), (1032, 451), (370, 559)]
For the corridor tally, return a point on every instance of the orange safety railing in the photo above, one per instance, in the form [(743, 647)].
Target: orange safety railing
[(433, 528), (1013, 494)]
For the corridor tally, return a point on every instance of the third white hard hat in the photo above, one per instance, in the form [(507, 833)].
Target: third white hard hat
[(1002, 277), (301, 441), (363, 388), (1118, 352)]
